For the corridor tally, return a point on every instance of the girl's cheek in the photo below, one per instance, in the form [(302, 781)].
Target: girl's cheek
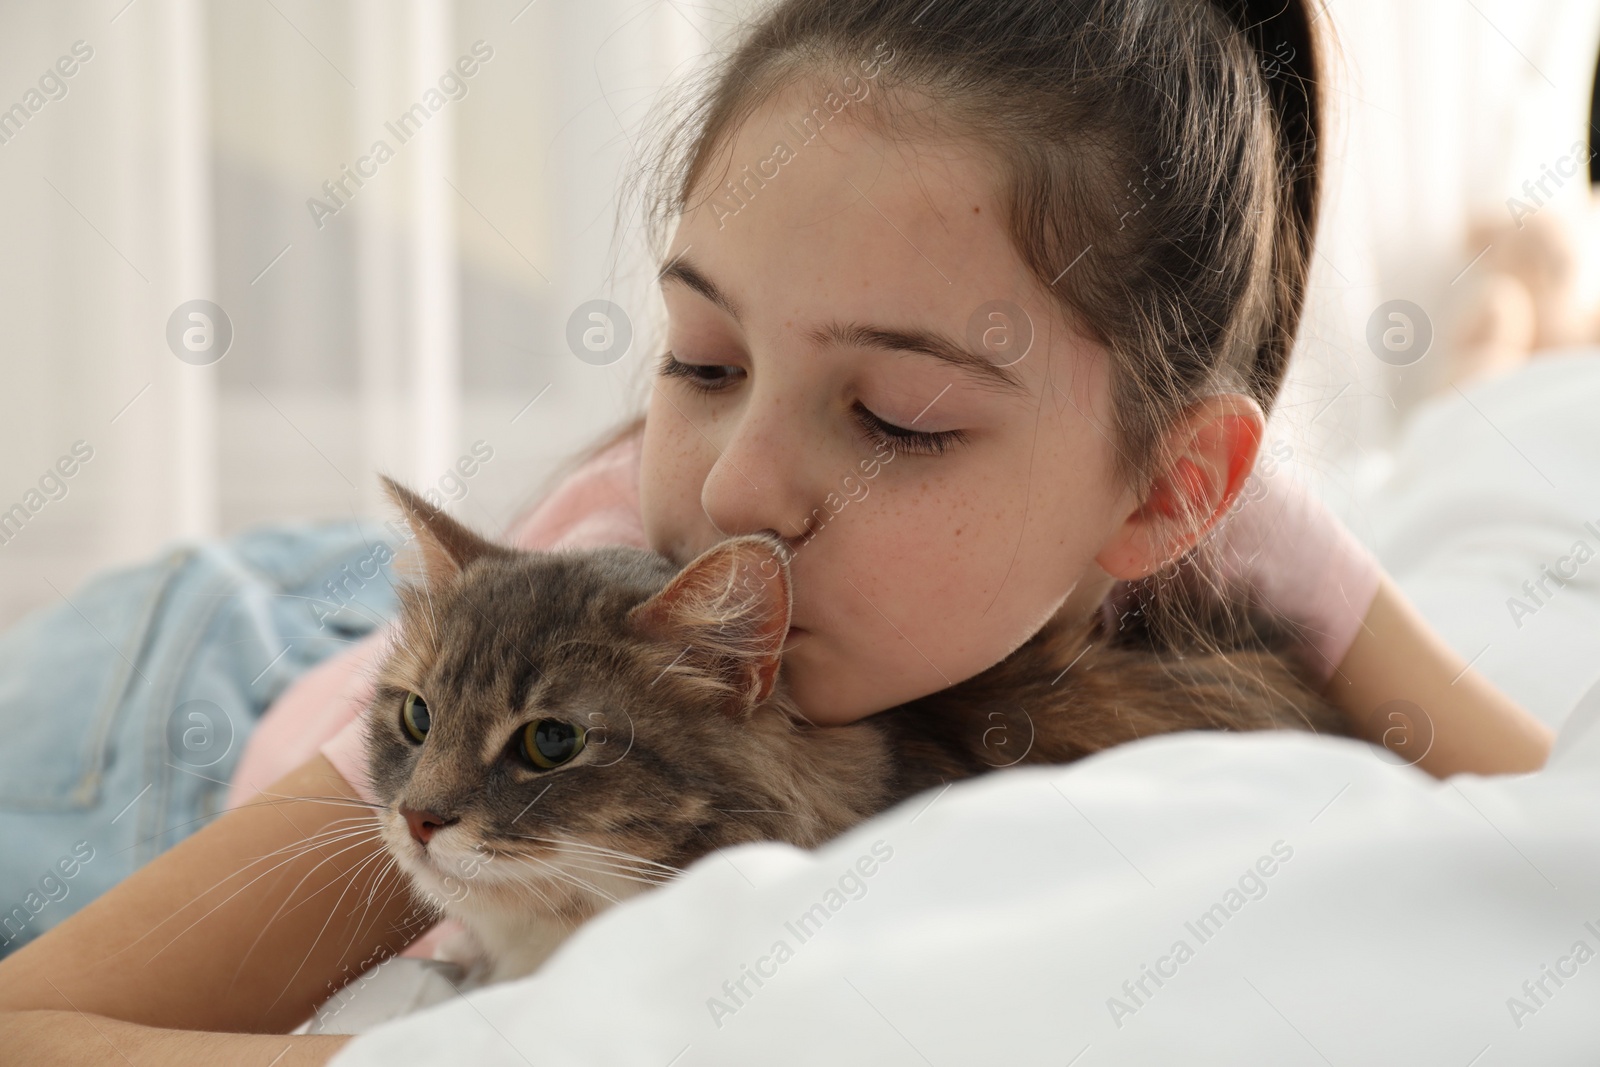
[(669, 491), (917, 531)]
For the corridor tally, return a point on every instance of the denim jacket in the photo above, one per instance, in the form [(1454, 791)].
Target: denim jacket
[(125, 708)]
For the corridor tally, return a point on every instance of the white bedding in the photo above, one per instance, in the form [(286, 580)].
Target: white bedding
[(1399, 924), (1400, 917)]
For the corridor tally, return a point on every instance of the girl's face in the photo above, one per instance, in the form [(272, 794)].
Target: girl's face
[(832, 384)]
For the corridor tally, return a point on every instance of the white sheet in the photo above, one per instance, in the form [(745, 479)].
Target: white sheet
[(1401, 917)]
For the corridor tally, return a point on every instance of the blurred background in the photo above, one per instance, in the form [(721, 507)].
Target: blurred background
[(391, 323), (397, 310)]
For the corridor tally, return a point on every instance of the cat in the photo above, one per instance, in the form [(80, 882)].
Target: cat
[(553, 732)]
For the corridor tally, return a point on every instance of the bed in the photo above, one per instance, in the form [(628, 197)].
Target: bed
[(1190, 898)]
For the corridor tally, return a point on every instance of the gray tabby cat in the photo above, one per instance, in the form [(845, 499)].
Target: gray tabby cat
[(556, 731)]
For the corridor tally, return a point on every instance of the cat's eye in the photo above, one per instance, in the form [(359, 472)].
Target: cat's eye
[(414, 717), (548, 743)]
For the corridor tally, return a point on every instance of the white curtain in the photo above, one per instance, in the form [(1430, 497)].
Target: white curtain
[(413, 317), (428, 313), (1441, 109)]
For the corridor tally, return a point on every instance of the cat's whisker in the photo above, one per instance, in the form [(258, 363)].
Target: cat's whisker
[(551, 908), (402, 884), (349, 822), (568, 876), (589, 846), (550, 871), (614, 870), (280, 912), (618, 872), (380, 851), (521, 878), (241, 889), (284, 798), (295, 851), (537, 882), (611, 863), (618, 862), (332, 911), (610, 866), (577, 843), (391, 867), (289, 853), (614, 858), (381, 860), (238, 807), (321, 837)]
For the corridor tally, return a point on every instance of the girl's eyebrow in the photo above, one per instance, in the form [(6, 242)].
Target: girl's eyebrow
[(926, 342), (858, 335), (685, 273)]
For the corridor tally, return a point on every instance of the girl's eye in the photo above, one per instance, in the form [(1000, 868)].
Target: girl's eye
[(921, 442), (414, 717), (711, 378), (548, 743), (705, 377)]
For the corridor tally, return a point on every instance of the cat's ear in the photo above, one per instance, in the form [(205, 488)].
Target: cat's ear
[(730, 609), (444, 545)]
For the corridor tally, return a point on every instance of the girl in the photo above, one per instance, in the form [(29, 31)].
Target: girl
[(1131, 187)]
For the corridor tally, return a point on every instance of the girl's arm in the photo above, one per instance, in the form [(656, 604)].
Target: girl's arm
[(1458, 722), (244, 927), (68, 1037), (1397, 681)]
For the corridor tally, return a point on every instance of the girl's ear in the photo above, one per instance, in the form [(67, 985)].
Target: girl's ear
[(444, 545), (730, 608), (1211, 452)]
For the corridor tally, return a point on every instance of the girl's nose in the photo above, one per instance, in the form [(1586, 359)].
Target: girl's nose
[(760, 478)]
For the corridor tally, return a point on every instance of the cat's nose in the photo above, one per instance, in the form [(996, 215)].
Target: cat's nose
[(424, 824)]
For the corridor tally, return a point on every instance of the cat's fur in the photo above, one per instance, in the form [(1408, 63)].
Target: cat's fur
[(694, 741)]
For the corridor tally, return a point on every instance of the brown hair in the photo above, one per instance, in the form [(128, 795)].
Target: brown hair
[(1167, 150)]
